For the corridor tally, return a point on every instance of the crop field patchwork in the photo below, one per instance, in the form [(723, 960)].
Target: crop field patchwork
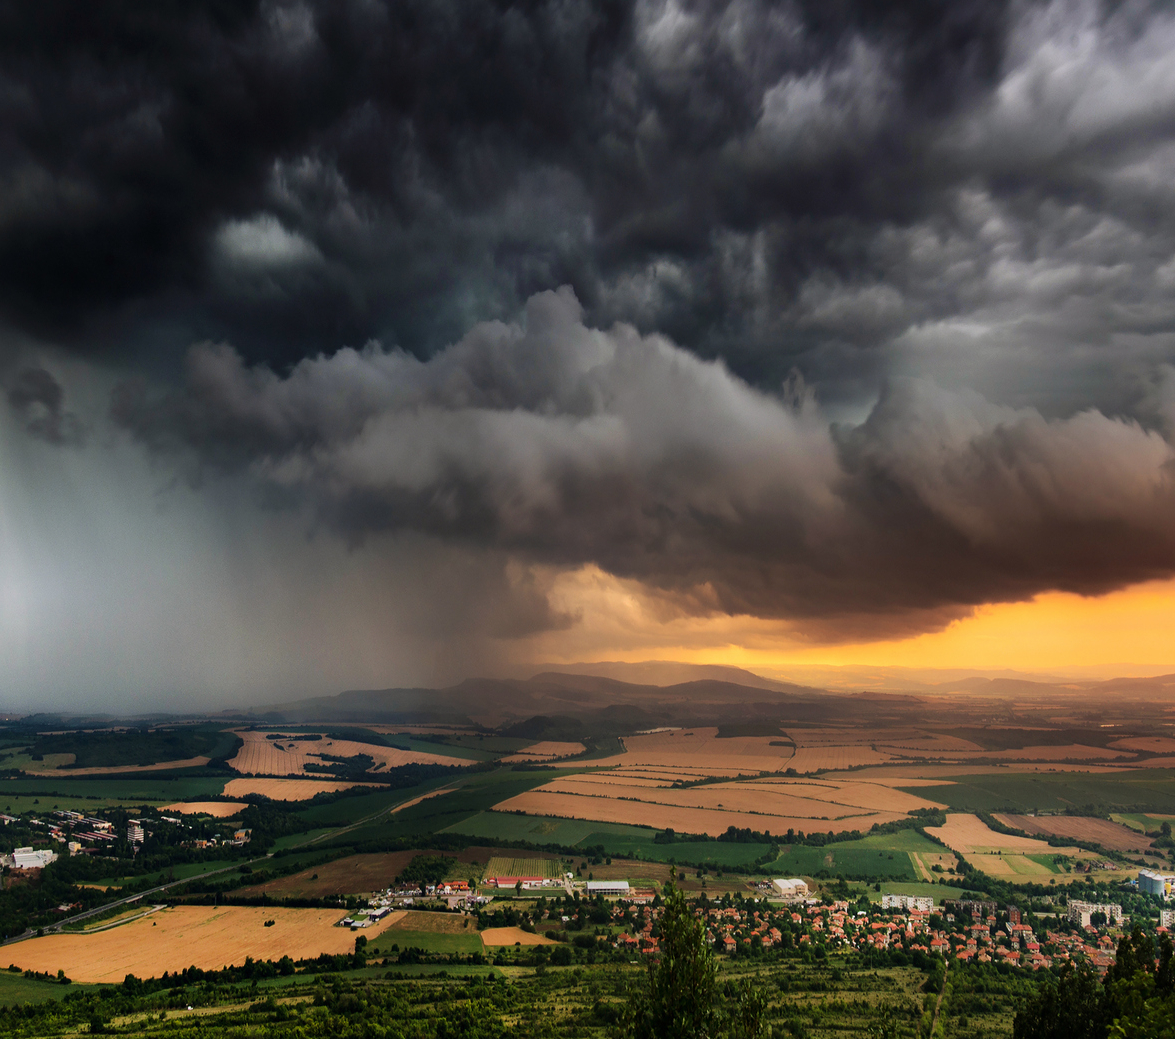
[(277, 757), (773, 804)]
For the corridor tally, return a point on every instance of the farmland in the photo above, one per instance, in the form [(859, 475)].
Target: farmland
[(504, 866), (263, 756), (1022, 793), (184, 936), (1110, 835), (216, 809), (776, 805)]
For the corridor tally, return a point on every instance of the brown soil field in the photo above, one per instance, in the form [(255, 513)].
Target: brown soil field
[(261, 756), (968, 834), (1147, 744), (773, 797), (700, 750), (1113, 836), (422, 797), (118, 769), (512, 936), (202, 936), (682, 818), (871, 795), (809, 759), (435, 923), (1072, 752), (356, 874), (216, 809), (286, 789), (546, 751)]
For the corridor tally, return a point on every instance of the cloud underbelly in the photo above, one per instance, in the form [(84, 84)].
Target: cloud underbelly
[(566, 445)]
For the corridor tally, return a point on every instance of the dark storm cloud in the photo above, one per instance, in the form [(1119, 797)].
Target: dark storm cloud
[(918, 208), (569, 445), (438, 163), (40, 401)]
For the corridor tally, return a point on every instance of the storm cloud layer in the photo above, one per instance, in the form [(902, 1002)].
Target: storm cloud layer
[(851, 315), (571, 445)]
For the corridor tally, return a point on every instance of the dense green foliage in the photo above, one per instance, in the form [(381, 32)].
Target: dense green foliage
[(137, 746)]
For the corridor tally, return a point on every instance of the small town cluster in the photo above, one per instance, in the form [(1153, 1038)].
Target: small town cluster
[(964, 929)]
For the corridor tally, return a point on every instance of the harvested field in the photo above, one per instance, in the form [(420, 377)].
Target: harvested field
[(812, 759), (546, 751), (354, 875), (422, 797), (183, 936), (774, 796), (969, 835), (216, 809), (287, 789), (1113, 836), (1147, 744), (681, 818), (513, 936), (263, 756), (700, 750)]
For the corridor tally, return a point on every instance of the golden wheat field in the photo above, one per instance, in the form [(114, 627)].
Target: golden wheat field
[(216, 809), (700, 750), (184, 936), (512, 936), (684, 818), (546, 751), (286, 789), (267, 757), (1147, 744), (968, 834)]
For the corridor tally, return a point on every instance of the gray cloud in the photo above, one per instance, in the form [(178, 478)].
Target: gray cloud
[(39, 399), (851, 314), (566, 445)]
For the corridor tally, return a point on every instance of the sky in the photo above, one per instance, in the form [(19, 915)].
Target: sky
[(357, 344)]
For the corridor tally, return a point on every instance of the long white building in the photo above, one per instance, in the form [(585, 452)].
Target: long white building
[(1079, 912), (790, 888)]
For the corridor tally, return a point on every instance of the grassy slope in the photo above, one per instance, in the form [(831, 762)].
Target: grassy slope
[(1149, 789)]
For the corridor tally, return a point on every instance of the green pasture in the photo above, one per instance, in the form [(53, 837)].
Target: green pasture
[(1141, 821), (293, 840), (182, 871), (402, 741), (693, 853), (428, 970), (881, 855), (539, 829), (1130, 791), (477, 792), (85, 793), (429, 941), (16, 988), (936, 891)]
